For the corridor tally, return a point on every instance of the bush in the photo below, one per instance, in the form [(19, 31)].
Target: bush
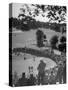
[(63, 39), (54, 41)]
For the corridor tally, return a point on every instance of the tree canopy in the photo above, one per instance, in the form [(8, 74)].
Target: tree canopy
[(54, 13), (54, 41)]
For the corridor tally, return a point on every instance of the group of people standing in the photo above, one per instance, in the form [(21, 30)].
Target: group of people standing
[(43, 77), (53, 78)]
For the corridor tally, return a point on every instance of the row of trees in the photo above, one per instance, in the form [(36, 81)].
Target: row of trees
[(41, 37), (27, 23), (27, 18)]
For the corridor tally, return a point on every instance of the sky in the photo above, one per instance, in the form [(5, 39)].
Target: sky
[(16, 11)]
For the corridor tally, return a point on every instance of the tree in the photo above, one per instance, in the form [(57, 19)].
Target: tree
[(27, 18), (33, 10), (57, 13), (54, 13), (62, 46), (27, 22), (39, 35), (54, 41), (63, 39)]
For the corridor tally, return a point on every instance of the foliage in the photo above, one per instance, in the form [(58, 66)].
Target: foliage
[(54, 13), (57, 13), (54, 41), (27, 23), (63, 39), (39, 35), (62, 46), (27, 18)]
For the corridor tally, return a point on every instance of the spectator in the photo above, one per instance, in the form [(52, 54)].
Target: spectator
[(22, 81), (52, 78), (31, 80), (41, 72), (59, 73)]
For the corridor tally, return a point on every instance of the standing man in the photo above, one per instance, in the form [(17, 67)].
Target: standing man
[(41, 72)]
